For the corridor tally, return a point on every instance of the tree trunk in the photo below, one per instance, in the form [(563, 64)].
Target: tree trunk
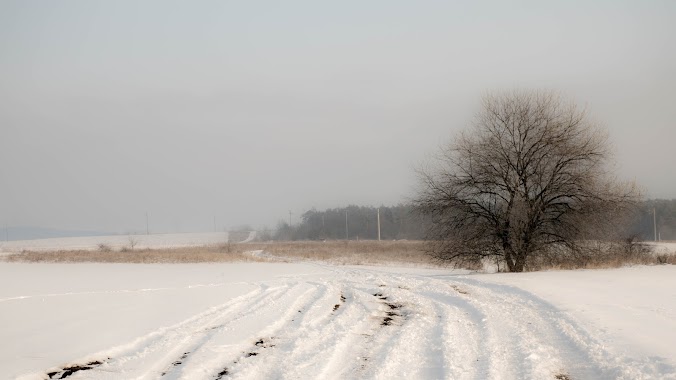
[(509, 259), (519, 262)]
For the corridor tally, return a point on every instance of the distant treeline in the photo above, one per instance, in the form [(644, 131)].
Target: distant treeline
[(402, 222), (354, 223), (665, 220)]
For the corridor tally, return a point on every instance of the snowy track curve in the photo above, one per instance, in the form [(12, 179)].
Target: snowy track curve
[(365, 323)]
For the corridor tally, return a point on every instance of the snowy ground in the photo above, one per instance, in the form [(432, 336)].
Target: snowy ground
[(664, 246), (302, 321), (632, 311), (117, 242)]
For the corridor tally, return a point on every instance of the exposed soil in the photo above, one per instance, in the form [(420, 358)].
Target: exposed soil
[(220, 375), (459, 289), (180, 360), (70, 370)]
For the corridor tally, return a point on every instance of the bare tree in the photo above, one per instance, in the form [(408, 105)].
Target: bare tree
[(132, 242), (529, 180)]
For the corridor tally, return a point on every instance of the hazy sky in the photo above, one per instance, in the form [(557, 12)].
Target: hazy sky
[(246, 110)]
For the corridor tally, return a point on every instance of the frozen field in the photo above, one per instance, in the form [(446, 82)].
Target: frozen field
[(117, 242), (304, 321), (664, 247)]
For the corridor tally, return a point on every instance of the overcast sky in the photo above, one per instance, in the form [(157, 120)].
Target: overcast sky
[(244, 110)]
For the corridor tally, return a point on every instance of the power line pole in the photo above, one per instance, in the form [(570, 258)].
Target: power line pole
[(655, 223), (290, 218), (147, 228), (378, 223)]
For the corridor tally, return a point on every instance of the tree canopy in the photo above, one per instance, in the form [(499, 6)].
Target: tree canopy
[(530, 178)]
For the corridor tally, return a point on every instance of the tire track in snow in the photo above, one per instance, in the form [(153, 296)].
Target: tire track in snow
[(528, 338), (209, 355), (313, 346), (495, 335), (420, 350), (350, 334), (154, 354), (449, 327), (282, 321), (202, 354), (514, 334)]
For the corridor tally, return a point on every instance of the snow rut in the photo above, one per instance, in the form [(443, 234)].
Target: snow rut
[(367, 324)]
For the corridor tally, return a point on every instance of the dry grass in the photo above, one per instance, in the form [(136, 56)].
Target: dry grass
[(363, 252), (615, 256), (335, 252), (602, 263), (208, 254)]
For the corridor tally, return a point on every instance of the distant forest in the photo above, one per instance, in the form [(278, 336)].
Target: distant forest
[(402, 222), (665, 220), (354, 223)]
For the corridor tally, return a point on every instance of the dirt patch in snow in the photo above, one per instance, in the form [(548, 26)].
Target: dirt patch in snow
[(459, 289), (176, 363), (389, 315), (342, 299), (220, 375), (70, 370)]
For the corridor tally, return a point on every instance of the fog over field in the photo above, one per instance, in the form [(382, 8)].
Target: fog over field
[(215, 114), (266, 190)]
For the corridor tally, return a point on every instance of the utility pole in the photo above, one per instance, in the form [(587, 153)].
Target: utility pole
[(347, 231), (147, 228), (655, 223), (290, 218), (378, 223)]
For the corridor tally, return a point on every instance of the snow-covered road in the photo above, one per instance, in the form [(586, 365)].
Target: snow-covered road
[(306, 321)]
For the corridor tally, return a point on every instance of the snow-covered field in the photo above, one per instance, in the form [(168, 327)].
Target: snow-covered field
[(308, 320), (663, 247), (117, 242)]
